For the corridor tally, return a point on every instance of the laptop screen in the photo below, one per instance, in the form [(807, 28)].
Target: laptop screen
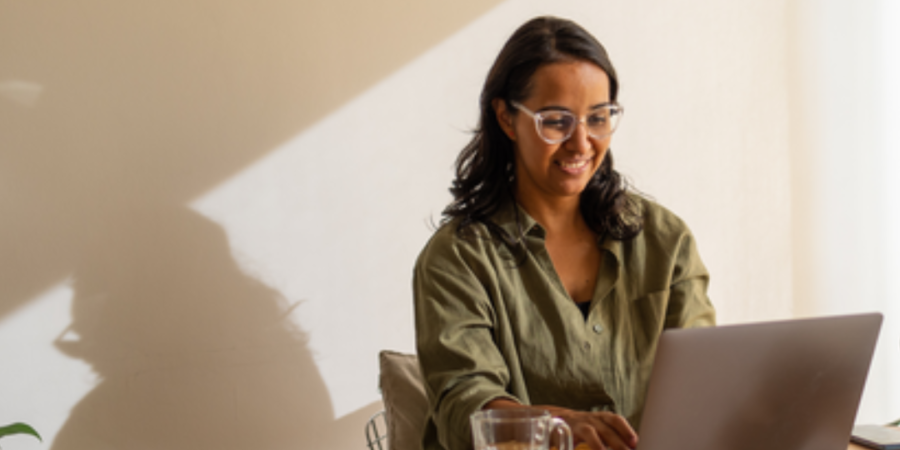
[(790, 385)]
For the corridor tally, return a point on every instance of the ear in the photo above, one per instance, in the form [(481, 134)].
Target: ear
[(504, 118)]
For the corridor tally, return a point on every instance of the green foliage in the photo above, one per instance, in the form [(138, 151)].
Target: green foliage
[(19, 428)]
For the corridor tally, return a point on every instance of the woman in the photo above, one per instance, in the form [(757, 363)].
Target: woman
[(548, 283)]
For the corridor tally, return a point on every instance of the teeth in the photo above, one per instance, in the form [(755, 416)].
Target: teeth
[(573, 165)]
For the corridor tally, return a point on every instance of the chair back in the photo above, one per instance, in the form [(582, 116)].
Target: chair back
[(404, 398)]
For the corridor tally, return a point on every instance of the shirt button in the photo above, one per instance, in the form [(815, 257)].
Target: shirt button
[(598, 328), (587, 345)]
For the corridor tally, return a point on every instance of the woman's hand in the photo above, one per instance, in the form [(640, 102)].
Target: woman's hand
[(599, 430)]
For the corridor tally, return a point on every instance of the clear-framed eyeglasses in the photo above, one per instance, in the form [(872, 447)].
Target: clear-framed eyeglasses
[(555, 126)]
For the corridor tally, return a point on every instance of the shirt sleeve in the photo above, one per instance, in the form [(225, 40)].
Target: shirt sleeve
[(689, 306), (461, 364)]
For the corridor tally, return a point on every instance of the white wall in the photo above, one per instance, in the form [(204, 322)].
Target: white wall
[(212, 209), (846, 198)]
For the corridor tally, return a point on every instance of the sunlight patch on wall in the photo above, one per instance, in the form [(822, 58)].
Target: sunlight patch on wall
[(37, 374), (335, 217)]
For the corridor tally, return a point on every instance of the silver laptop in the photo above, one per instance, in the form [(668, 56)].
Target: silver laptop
[(791, 385)]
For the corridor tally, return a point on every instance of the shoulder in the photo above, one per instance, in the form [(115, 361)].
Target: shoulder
[(663, 253), (659, 223), (449, 245), (456, 267), (667, 238), (664, 237)]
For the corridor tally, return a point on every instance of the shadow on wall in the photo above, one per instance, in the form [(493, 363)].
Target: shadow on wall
[(190, 352), (113, 116)]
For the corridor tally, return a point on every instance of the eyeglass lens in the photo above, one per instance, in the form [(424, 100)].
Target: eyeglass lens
[(558, 126)]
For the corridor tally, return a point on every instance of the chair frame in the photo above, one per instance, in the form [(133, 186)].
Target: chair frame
[(376, 432)]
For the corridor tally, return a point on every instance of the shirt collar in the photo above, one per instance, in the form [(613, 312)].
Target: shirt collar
[(614, 247), (505, 218)]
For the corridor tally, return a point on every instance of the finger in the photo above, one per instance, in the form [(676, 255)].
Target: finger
[(611, 438), (622, 428), (587, 434), (615, 432)]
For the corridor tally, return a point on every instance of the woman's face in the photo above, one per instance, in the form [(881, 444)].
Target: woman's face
[(555, 171)]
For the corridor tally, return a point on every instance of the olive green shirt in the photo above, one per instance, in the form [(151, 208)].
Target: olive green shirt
[(494, 320)]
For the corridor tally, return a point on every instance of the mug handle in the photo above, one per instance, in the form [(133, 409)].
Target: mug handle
[(565, 433)]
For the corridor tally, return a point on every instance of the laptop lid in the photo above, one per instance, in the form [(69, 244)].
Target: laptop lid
[(791, 385)]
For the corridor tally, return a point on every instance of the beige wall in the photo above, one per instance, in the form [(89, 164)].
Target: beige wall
[(211, 209), (125, 318)]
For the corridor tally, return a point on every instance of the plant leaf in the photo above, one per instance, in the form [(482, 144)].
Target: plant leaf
[(19, 428)]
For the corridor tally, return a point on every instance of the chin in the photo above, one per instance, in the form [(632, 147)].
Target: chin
[(572, 191)]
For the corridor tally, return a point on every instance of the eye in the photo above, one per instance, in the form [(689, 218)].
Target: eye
[(557, 121), (598, 119)]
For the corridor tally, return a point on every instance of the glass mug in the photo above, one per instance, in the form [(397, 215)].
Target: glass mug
[(518, 429)]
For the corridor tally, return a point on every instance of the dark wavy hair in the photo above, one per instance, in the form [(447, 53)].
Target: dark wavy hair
[(485, 169)]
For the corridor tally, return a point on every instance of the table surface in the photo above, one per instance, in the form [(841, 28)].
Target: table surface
[(851, 446), (860, 447)]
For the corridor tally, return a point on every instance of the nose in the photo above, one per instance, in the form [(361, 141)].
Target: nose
[(579, 141)]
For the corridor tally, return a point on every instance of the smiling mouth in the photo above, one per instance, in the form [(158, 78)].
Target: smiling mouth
[(574, 165)]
